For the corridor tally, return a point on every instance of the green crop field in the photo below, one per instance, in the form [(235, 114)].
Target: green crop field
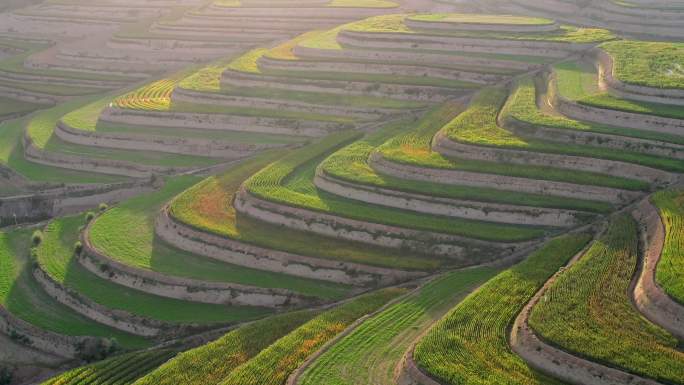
[(415, 149), (650, 64), (11, 154), (351, 164), (478, 126), (11, 107), (328, 40), (671, 266), (209, 364), (22, 296), (470, 344), (41, 130), (457, 18), (274, 364), (207, 206), (371, 352), (208, 80), (588, 311), (118, 370), (87, 119), (568, 34), (249, 63), (125, 234), (579, 82), (522, 107), (290, 181), (56, 256)]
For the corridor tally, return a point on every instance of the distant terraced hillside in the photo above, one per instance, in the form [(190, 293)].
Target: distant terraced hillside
[(323, 206)]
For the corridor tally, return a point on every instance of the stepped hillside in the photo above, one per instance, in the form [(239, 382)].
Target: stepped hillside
[(340, 192)]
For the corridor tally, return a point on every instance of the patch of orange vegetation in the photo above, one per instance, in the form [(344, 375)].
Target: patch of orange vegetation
[(214, 205), (413, 151)]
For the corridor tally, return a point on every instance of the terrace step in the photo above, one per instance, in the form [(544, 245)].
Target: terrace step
[(605, 65), (213, 148), (342, 87), (450, 148), (617, 118), (228, 250), (502, 182), (215, 99), (649, 297), (186, 289), (445, 245), (470, 209), (223, 122)]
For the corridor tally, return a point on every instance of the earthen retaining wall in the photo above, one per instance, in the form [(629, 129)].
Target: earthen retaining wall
[(227, 122), (502, 182), (445, 245), (649, 297), (448, 147), (483, 211), (227, 250), (186, 289)]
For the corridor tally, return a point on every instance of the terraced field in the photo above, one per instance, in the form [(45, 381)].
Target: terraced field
[(341, 192), (57, 258), (123, 369), (372, 351), (211, 363), (25, 299), (471, 342), (669, 268), (126, 235), (592, 298), (274, 364)]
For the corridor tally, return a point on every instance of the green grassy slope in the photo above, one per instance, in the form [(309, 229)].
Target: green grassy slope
[(371, 352), (587, 311), (470, 344)]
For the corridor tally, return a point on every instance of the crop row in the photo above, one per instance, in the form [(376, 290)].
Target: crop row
[(273, 365), (209, 364), (119, 370), (155, 96), (669, 272), (588, 311), (470, 344), (371, 352)]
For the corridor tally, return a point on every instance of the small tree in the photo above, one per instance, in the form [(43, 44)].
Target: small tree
[(78, 248), (37, 237), (103, 207), (89, 216)]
